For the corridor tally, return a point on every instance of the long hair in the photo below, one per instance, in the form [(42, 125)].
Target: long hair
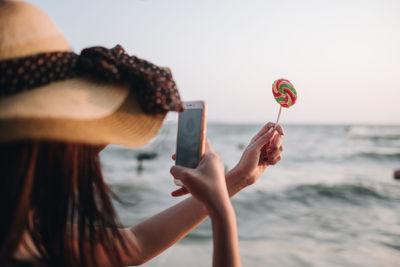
[(55, 193)]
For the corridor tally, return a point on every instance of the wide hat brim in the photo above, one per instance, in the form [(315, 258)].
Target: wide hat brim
[(78, 110)]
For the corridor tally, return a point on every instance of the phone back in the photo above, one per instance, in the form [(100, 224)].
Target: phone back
[(191, 135)]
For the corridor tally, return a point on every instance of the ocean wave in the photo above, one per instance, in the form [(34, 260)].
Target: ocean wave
[(199, 235), (392, 246), (376, 155), (373, 133), (311, 195), (351, 193), (376, 137)]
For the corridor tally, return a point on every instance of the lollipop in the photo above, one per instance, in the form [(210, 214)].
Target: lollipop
[(284, 94)]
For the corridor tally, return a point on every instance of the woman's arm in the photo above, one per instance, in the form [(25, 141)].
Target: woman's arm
[(225, 236), (207, 184), (154, 235)]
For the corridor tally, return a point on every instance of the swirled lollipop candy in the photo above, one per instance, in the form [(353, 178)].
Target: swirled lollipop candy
[(284, 94)]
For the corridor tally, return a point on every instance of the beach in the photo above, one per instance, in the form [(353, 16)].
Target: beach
[(331, 201)]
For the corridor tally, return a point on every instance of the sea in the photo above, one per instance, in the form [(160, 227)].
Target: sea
[(331, 201)]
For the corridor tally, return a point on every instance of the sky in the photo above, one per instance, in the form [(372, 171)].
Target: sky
[(343, 56)]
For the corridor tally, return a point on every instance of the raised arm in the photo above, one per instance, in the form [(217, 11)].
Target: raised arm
[(207, 184)]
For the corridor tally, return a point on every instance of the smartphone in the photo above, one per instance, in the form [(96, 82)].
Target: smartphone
[(190, 141)]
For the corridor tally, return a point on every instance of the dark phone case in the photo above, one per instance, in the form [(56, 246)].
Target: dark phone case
[(179, 160)]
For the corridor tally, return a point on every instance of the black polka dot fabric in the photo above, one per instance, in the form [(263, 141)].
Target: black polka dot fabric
[(154, 87)]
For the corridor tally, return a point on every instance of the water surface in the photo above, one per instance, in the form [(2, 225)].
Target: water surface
[(331, 201)]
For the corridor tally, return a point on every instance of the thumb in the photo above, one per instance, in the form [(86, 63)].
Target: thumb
[(264, 138), (181, 173)]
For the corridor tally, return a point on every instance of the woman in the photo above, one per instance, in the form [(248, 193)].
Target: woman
[(57, 110)]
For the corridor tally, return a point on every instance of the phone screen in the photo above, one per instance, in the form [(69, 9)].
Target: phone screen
[(189, 138)]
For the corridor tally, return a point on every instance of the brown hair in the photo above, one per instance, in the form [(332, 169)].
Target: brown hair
[(47, 189)]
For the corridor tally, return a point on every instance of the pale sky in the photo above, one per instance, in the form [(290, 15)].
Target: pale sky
[(342, 56)]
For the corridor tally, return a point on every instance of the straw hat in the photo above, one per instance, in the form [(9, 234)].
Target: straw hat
[(79, 109)]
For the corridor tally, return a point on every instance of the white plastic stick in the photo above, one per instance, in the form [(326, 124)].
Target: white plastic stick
[(277, 119), (279, 115)]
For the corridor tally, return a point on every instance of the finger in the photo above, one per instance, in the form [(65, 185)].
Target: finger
[(273, 150), (174, 156), (179, 192), (263, 131), (277, 140), (273, 161), (274, 144), (262, 140), (275, 154), (279, 129), (180, 173)]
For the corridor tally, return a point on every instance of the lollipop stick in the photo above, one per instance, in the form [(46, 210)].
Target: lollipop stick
[(277, 119)]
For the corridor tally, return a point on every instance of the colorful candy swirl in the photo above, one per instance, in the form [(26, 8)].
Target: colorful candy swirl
[(284, 93)]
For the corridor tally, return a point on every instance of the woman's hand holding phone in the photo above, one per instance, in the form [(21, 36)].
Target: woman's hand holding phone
[(207, 181)]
